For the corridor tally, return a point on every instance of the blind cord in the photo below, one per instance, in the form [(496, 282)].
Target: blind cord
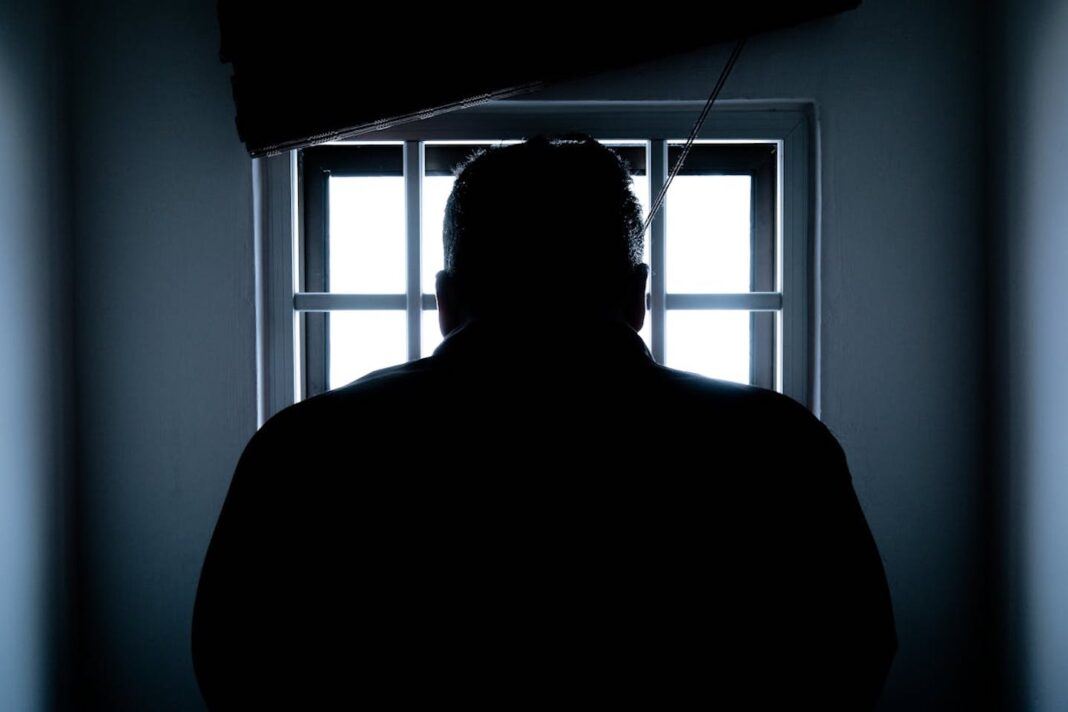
[(731, 60)]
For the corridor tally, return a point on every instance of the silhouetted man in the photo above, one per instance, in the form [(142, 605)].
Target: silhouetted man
[(538, 515)]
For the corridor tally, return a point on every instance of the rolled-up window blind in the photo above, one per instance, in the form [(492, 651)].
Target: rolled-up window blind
[(317, 70)]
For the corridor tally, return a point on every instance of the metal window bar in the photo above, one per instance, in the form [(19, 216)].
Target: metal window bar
[(658, 170), (310, 302), (315, 326), (413, 204), (763, 234)]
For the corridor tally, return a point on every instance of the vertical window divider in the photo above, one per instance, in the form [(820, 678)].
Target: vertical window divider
[(413, 204), (657, 171)]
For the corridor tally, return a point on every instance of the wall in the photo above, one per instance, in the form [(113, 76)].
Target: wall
[(165, 315), (898, 86), (1030, 138), (164, 335), (34, 377)]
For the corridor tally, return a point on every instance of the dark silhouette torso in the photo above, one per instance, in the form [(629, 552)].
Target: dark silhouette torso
[(506, 524)]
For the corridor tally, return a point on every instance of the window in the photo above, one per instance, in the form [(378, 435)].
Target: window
[(731, 285)]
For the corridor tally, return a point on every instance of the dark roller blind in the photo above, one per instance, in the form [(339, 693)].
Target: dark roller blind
[(312, 70)]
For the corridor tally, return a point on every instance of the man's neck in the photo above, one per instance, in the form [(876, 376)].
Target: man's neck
[(568, 341)]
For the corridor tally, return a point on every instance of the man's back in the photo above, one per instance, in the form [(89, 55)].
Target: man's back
[(512, 523)]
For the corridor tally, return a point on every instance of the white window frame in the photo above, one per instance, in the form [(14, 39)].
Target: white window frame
[(278, 239)]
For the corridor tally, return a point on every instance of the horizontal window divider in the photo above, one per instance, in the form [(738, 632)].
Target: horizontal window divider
[(750, 301), (334, 301)]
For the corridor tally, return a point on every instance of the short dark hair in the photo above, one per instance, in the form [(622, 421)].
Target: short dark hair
[(559, 210)]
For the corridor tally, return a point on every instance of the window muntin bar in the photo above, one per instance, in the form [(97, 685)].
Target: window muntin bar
[(413, 205), (328, 301), (658, 172)]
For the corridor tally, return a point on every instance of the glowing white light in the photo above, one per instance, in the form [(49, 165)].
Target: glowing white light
[(367, 235), (436, 191), (365, 341), (708, 234), (711, 343)]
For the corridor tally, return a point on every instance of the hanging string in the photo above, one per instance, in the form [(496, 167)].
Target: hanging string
[(694, 132)]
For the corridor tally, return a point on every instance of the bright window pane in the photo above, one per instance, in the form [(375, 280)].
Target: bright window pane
[(431, 336), (436, 191), (365, 341), (713, 343), (367, 235), (647, 330), (708, 234)]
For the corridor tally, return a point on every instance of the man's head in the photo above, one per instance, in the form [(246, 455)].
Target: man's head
[(549, 227)]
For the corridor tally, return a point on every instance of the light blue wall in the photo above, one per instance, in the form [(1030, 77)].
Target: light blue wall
[(34, 364), (1030, 193), (164, 308)]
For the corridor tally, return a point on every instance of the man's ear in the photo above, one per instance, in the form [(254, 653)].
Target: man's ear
[(634, 297), (450, 313)]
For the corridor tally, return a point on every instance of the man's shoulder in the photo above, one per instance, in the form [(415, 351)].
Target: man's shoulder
[(738, 396), (761, 411), (385, 381), (381, 389)]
